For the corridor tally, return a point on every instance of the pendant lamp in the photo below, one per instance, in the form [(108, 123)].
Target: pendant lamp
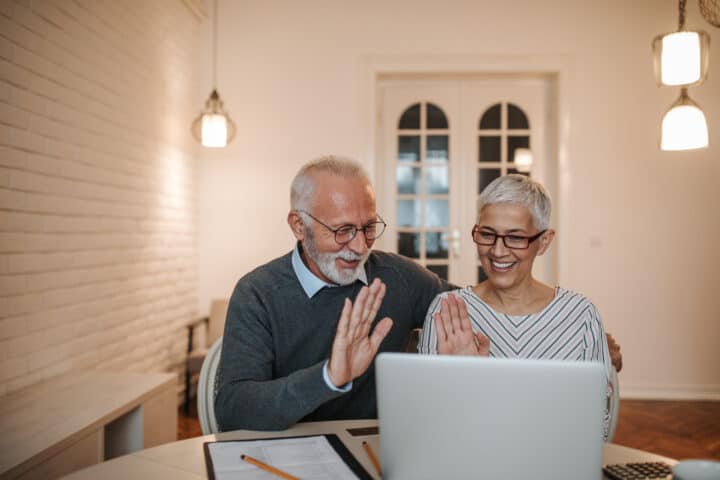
[(523, 160), (681, 59), (684, 126), (213, 127)]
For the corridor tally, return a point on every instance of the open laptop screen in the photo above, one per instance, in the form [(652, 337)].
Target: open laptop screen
[(472, 417)]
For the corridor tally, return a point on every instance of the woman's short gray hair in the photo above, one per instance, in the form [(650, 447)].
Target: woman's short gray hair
[(303, 185), (522, 190)]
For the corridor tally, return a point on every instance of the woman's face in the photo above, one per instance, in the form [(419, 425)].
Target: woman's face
[(505, 267)]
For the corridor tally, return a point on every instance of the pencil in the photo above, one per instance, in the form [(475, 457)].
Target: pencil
[(372, 457), (268, 468)]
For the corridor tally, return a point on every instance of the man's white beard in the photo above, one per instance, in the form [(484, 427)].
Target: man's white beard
[(326, 261)]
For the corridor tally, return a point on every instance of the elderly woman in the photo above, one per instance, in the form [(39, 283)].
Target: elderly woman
[(511, 314)]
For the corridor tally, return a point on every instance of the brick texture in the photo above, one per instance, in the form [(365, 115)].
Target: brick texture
[(98, 247)]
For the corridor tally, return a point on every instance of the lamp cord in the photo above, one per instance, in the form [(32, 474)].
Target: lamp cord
[(681, 16), (215, 45)]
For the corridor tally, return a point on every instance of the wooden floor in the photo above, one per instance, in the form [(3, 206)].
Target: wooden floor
[(674, 429)]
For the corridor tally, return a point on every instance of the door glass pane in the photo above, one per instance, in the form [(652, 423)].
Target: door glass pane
[(409, 148), (485, 176), (409, 244), (435, 117), (481, 275), (489, 149), (436, 180), (437, 148), (408, 180), (436, 213), (491, 118), (517, 118), (436, 244), (408, 212), (516, 142), (410, 118), (439, 270)]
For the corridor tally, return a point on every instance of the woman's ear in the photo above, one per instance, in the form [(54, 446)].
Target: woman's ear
[(296, 225), (545, 240)]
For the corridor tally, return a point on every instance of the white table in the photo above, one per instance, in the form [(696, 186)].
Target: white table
[(184, 459)]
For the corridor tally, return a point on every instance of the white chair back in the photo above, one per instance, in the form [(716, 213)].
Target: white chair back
[(207, 389), (614, 407)]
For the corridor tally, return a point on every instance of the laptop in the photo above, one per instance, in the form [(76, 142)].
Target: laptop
[(471, 417)]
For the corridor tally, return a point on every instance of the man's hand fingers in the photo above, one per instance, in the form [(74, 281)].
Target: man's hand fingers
[(379, 333), (357, 311), (372, 307), (344, 321)]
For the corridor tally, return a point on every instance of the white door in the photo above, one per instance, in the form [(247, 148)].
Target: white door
[(440, 142)]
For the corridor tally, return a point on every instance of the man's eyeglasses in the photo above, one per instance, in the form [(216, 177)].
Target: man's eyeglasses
[(515, 242), (345, 233)]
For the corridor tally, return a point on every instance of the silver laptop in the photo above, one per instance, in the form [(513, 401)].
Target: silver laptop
[(469, 417)]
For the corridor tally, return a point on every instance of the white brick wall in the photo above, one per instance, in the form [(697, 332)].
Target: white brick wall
[(97, 194)]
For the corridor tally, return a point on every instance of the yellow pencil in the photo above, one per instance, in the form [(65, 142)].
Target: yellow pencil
[(268, 468), (372, 457)]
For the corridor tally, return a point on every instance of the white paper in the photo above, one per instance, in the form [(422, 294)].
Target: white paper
[(309, 458)]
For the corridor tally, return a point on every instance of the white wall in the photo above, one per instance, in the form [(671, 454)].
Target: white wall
[(97, 186), (640, 232)]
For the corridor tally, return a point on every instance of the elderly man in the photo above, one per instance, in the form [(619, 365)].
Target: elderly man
[(302, 330)]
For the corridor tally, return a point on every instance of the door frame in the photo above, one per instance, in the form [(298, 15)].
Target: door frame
[(556, 68)]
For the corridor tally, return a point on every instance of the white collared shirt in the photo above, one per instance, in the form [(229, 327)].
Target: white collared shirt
[(312, 284)]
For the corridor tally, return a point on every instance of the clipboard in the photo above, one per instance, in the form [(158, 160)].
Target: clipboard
[(337, 445)]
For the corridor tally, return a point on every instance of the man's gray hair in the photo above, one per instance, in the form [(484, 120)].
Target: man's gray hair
[(522, 190), (303, 186)]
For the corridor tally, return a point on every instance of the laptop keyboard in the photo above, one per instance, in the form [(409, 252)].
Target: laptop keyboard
[(638, 471)]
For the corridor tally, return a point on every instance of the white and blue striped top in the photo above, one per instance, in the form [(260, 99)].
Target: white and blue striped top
[(568, 328)]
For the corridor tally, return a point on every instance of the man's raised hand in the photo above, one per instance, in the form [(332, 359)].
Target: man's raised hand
[(354, 348)]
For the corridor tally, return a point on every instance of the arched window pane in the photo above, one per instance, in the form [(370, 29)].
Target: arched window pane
[(439, 270), (410, 118), (436, 245), (409, 244), (490, 120), (408, 212), (408, 148), (437, 148), (485, 176), (437, 180), (435, 117), (481, 275), (437, 214), (517, 118), (514, 143), (489, 149), (408, 180)]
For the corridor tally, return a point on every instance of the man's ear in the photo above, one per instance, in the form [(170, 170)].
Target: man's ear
[(545, 241), (296, 225)]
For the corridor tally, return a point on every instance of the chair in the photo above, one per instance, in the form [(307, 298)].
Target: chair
[(207, 386), (214, 325), (613, 404)]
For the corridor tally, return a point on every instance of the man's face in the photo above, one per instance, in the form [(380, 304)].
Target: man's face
[(337, 202)]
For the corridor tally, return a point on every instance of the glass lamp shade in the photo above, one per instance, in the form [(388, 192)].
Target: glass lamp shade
[(681, 58), (684, 126), (213, 127), (523, 160)]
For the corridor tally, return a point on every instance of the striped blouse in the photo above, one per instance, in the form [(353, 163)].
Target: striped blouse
[(568, 328)]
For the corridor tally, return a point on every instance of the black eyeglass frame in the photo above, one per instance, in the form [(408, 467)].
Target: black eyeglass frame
[(351, 229), (529, 239)]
